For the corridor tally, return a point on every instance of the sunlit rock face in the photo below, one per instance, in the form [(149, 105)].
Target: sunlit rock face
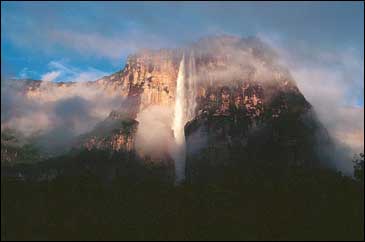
[(155, 73), (149, 78)]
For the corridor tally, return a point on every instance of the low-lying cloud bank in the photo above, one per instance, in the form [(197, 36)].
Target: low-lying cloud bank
[(333, 82), (54, 115)]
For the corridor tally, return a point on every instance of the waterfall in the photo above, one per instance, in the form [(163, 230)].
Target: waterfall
[(179, 122), (191, 88), (184, 111)]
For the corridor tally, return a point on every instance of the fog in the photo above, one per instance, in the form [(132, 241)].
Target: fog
[(53, 116), (333, 82), (154, 134), (244, 58)]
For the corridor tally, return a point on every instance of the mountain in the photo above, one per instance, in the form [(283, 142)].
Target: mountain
[(235, 105)]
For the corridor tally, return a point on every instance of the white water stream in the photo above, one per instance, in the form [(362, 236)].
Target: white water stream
[(184, 111)]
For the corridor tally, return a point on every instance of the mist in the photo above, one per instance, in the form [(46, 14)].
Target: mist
[(245, 58), (154, 135), (52, 117), (333, 82)]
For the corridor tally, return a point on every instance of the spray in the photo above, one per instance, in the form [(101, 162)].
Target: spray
[(191, 100)]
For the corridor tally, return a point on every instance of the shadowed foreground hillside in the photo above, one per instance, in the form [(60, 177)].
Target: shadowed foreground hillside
[(298, 204)]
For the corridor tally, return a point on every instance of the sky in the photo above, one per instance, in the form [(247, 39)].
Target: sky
[(68, 41)]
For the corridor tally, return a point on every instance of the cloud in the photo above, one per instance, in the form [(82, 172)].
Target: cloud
[(94, 44), (52, 114), (154, 136), (90, 74), (67, 73), (50, 76), (349, 127), (333, 82), (244, 58), (23, 73), (26, 73), (111, 46), (334, 92)]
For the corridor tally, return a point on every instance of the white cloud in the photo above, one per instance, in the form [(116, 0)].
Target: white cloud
[(50, 76), (57, 114), (60, 66), (66, 73), (334, 92), (154, 136), (23, 73), (89, 75), (333, 83), (94, 43), (26, 73), (89, 44)]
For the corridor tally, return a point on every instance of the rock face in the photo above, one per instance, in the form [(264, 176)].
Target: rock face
[(116, 133), (240, 125), (148, 78)]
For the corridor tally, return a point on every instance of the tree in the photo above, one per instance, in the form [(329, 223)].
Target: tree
[(359, 167)]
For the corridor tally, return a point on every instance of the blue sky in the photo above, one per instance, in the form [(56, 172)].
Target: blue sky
[(78, 40)]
